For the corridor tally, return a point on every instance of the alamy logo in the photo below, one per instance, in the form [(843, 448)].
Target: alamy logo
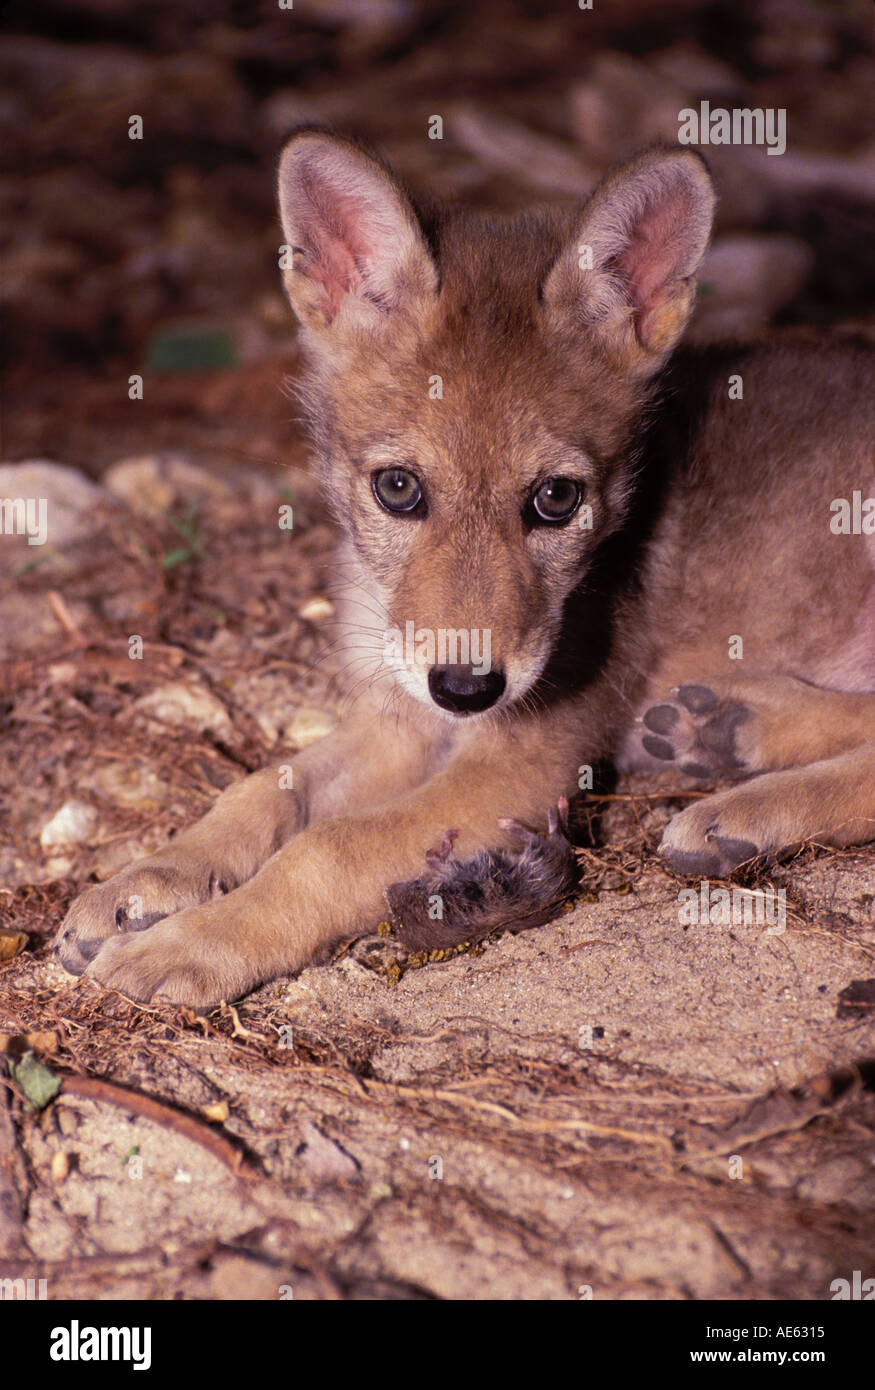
[(25, 516), (856, 1288), (446, 646), (854, 516), (741, 126), (75, 1343), (739, 907), (23, 1288)]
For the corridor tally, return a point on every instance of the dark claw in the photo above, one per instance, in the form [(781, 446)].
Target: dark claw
[(126, 923)]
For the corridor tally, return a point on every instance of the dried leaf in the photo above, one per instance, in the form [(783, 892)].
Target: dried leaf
[(856, 999), (36, 1081), (12, 943)]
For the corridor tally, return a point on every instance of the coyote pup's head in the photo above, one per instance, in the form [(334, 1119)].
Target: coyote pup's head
[(474, 390)]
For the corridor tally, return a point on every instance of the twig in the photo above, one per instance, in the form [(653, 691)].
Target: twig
[(533, 1126), (64, 616), (92, 1088)]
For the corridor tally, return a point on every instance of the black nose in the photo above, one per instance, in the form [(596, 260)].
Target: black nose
[(457, 688)]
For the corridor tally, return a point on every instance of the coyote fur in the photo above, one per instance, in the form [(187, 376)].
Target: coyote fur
[(645, 549)]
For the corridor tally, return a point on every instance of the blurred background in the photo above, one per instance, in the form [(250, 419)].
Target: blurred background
[(159, 255)]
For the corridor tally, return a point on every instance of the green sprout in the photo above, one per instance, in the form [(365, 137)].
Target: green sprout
[(186, 527)]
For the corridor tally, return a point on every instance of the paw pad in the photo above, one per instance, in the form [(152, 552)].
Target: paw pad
[(697, 731)]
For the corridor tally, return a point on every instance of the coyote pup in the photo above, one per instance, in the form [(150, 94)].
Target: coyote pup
[(523, 477)]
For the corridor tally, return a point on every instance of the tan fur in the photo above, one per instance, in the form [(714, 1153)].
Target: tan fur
[(710, 521)]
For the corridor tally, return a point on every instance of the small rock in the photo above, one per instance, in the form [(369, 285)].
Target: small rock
[(218, 1112), (59, 866), (188, 707), (67, 1119), (154, 483), (109, 859), (60, 1166), (315, 609), (44, 507), (129, 784), (157, 484), (62, 673), (74, 824)]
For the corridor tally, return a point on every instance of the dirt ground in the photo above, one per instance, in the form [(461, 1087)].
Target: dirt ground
[(613, 1105)]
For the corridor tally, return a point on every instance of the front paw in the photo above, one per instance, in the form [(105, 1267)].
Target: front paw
[(133, 900), (181, 960), (464, 900), (712, 837)]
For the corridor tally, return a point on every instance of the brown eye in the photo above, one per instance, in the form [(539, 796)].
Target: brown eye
[(557, 499), (397, 490)]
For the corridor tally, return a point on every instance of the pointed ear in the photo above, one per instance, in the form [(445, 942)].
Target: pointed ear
[(356, 251), (643, 232)]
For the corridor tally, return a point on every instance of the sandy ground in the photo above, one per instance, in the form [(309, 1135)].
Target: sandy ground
[(614, 1102)]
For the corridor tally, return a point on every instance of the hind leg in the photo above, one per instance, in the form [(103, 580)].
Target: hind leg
[(728, 726)]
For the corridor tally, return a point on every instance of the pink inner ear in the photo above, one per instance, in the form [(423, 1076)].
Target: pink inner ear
[(334, 237), (656, 250)]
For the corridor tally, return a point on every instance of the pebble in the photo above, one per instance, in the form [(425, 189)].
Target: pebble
[(74, 824), (316, 608), (187, 706), (153, 483), (69, 497)]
